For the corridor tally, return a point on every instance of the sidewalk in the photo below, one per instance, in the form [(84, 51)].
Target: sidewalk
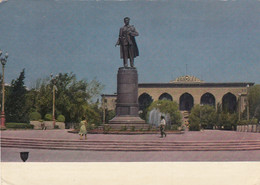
[(41, 155)]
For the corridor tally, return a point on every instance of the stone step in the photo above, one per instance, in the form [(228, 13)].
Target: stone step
[(114, 145)]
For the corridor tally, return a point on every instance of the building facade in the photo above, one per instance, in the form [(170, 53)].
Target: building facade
[(188, 91)]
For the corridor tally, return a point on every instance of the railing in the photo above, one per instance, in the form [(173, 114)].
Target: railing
[(248, 128)]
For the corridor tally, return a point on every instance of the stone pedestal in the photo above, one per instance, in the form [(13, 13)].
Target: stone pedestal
[(127, 100)]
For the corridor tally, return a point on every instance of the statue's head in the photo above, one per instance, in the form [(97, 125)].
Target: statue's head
[(126, 20)]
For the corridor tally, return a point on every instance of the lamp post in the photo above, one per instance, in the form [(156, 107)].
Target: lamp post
[(104, 109), (3, 62), (53, 80), (239, 106), (247, 89), (201, 105)]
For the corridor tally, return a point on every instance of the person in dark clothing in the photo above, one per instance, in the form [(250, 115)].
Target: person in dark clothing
[(162, 126)]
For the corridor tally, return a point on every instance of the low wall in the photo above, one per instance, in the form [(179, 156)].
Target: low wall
[(248, 128), (47, 124)]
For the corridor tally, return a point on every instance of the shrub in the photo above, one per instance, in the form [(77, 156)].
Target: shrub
[(194, 126), (19, 125), (242, 122), (174, 127), (48, 117), (123, 128), (227, 121), (133, 128), (202, 117), (56, 127), (107, 128), (35, 116), (61, 118), (253, 121), (90, 126), (194, 119)]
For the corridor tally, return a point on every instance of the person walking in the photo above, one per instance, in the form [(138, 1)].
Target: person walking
[(162, 126), (83, 129)]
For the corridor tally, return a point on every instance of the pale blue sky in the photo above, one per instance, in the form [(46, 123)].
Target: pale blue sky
[(218, 40)]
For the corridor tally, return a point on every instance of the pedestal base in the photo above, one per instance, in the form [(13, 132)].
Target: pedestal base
[(127, 122), (127, 101)]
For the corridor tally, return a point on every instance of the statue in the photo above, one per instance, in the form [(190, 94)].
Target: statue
[(126, 40)]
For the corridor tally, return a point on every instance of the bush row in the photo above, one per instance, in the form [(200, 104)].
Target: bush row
[(36, 116), (19, 125), (248, 122)]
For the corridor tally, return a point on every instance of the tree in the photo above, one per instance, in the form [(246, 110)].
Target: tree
[(194, 118), (73, 99), (202, 117), (254, 101), (168, 107), (227, 121), (16, 109)]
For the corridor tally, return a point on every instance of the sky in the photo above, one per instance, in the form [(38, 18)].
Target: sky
[(214, 40)]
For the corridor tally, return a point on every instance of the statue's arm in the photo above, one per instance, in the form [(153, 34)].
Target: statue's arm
[(118, 40), (133, 32)]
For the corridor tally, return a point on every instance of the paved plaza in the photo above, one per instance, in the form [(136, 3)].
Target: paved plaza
[(9, 154)]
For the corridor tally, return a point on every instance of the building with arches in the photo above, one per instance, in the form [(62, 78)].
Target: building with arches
[(188, 91)]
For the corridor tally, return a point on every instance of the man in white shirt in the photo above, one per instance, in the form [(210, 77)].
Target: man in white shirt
[(162, 126)]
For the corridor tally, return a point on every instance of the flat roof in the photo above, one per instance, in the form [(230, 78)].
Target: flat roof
[(183, 85)]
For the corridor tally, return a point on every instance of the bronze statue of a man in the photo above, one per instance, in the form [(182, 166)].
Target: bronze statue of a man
[(126, 40)]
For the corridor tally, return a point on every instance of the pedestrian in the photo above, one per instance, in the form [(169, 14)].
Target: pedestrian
[(83, 129), (43, 126), (162, 126)]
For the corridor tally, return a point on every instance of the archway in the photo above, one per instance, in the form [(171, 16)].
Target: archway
[(229, 103), (186, 102), (208, 99), (165, 96), (144, 101)]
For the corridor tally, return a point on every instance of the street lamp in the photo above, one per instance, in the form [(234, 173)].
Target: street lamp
[(104, 110), (53, 80), (247, 89), (239, 106), (201, 105), (3, 62)]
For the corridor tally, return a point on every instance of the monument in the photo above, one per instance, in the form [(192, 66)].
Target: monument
[(127, 81)]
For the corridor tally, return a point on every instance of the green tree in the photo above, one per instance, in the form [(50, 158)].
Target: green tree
[(227, 121), (73, 99), (168, 107), (43, 96), (194, 119), (254, 101), (16, 109), (208, 117), (202, 117)]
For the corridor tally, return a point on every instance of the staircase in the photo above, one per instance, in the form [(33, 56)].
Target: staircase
[(128, 145), (185, 116)]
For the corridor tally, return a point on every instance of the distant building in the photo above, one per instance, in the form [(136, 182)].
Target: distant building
[(188, 91)]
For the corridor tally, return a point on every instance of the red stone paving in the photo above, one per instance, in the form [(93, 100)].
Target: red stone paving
[(38, 155)]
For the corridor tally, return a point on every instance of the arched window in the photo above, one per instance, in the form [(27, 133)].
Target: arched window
[(229, 103), (186, 102), (144, 101), (165, 96), (208, 99)]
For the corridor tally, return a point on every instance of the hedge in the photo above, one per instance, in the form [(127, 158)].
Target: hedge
[(19, 125), (61, 118), (48, 117), (35, 116)]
